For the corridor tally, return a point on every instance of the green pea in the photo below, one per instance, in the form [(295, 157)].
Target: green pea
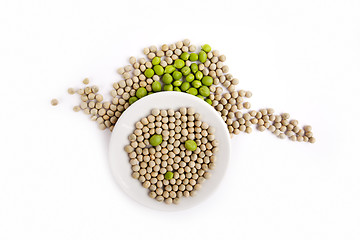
[(185, 86), (204, 91), (149, 73), (177, 83), (194, 57), (169, 69), (149, 93), (202, 56), (155, 140), (132, 100), (167, 78), (177, 75), (208, 100), (199, 75), (159, 70), (156, 61), (190, 77), (185, 56), (207, 81), (141, 92), (169, 175), (156, 86), (196, 84), (201, 97), (206, 48), (168, 87), (185, 70), (194, 67), (177, 89), (179, 63), (192, 91), (190, 145)]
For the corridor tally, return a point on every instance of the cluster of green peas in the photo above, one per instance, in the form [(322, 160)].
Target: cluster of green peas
[(195, 82)]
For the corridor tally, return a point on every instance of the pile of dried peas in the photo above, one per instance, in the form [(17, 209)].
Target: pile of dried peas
[(178, 67), (171, 153)]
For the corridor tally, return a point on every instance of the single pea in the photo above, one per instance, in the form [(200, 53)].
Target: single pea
[(169, 69), (141, 92), (156, 61), (204, 91), (192, 91), (199, 75), (149, 73), (150, 93), (196, 84), (190, 77), (185, 86), (132, 100), (169, 175), (202, 56), (206, 48), (155, 140), (179, 63), (194, 67), (177, 83), (208, 100), (159, 70), (168, 87), (201, 97), (185, 70), (207, 81), (177, 75), (185, 56), (177, 89), (190, 145), (156, 86), (194, 57), (167, 78)]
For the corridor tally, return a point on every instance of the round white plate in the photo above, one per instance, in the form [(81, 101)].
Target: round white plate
[(119, 160)]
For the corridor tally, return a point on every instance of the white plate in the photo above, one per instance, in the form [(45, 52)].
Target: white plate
[(119, 160)]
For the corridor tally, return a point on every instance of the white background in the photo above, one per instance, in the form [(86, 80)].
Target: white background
[(301, 57)]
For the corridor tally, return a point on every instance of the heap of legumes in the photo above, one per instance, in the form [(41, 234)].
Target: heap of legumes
[(171, 153), (185, 68)]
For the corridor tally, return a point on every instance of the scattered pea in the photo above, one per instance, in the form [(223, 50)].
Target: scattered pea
[(190, 145), (206, 48), (185, 86), (177, 75), (149, 73), (159, 70), (167, 78), (194, 67), (156, 140), (202, 56), (204, 91), (199, 75), (196, 84), (193, 57), (156, 86), (132, 100), (141, 92), (156, 61), (207, 81), (169, 69), (179, 63), (177, 83), (185, 56), (190, 77), (168, 87), (185, 71), (169, 175), (192, 91)]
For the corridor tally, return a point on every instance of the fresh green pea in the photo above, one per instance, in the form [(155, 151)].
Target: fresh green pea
[(185, 86), (185, 56), (167, 78), (149, 73), (206, 48), (208, 100), (179, 63), (169, 69), (141, 92), (196, 84), (177, 89), (201, 97), (168, 87), (190, 77), (149, 93), (199, 75), (156, 61), (194, 57), (159, 70), (155, 140), (169, 175), (202, 56), (156, 86), (207, 81), (204, 91), (132, 100), (190, 145), (177, 83), (192, 91), (177, 75), (194, 67), (185, 70)]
